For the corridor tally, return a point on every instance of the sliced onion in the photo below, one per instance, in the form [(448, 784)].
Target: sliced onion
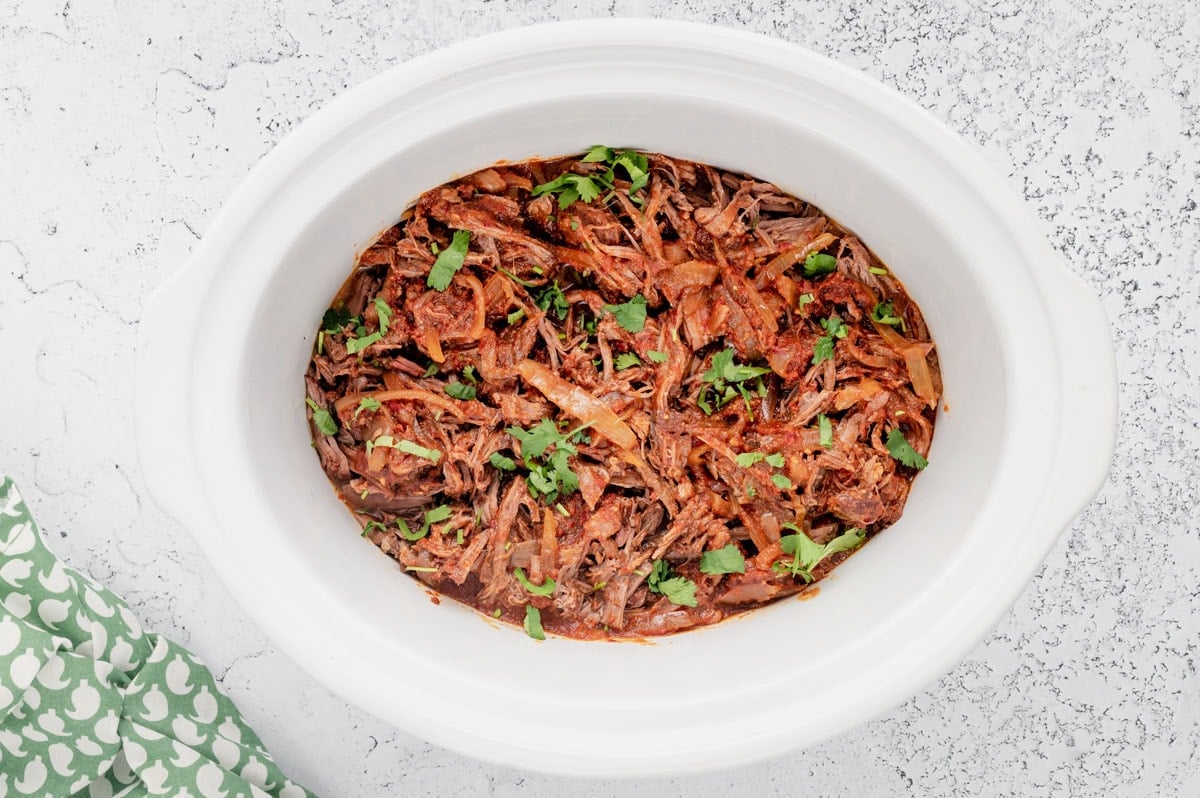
[(781, 262), (686, 275), (433, 345), (423, 397), (578, 403), (480, 318), (914, 354)]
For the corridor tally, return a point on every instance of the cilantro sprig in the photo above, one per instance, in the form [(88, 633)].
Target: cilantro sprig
[(726, 380), (725, 560), (899, 448), (678, 589), (326, 423), (571, 187), (549, 473), (630, 315), (807, 554), (834, 328)]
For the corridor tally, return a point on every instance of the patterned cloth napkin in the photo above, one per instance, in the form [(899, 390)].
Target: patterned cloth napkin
[(92, 705)]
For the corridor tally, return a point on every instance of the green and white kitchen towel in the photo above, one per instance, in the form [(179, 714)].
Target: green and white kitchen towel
[(92, 705)]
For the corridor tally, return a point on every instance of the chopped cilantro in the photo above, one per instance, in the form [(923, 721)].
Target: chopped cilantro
[(679, 590), (552, 297), (900, 449), (431, 369), (782, 482), (570, 187), (544, 589), (516, 315), (804, 300), (823, 347), (322, 418), (335, 319), (877, 270), (356, 345), (631, 315), (501, 462), (819, 263), (552, 477), (496, 613), (658, 357), (469, 375), (627, 360), (533, 623), (366, 403), (775, 460), (806, 554), (747, 459), (449, 261), (408, 447), (825, 427), (885, 313), (385, 314), (460, 390), (725, 560), (372, 525), (725, 380)]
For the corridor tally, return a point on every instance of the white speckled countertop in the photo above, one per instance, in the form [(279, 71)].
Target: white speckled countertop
[(125, 125)]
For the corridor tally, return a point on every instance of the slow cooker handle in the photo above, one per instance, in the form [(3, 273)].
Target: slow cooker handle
[(165, 346), (1088, 379)]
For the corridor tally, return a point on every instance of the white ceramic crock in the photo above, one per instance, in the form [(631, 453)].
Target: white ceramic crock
[(1025, 353)]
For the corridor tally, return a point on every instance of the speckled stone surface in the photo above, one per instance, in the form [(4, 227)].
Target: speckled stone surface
[(123, 127)]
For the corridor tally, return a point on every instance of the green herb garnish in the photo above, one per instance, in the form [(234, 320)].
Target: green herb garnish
[(658, 357), (501, 462), (806, 554), (552, 298), (775, 460), (631, 315), (819, 263), (747, 459), (627, 360), (544, 589), (823, 347), (900, 449), (782, 481), (458, 390), (324, 420), (571, 187), (366, 403), (449, 261), (804, 300), (725, 560), (678, 589), (825, 427), (335, 319), (516, 315), (356, 345), (385, 314), (885, 313), (533, 623), (726, 379)]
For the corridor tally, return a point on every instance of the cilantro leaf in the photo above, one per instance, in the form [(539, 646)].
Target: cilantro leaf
[(775, 460), (631, 315), (335, 319), (385, 314), (449, 261), (325, 422), (544, 589), (431, 369), (885, 313), (804, 300), (724, 368), (678, 589), (599, 154), (658, 357), (627, 360), (835, 327), (459, 390), (516, 315), (569, 187), (537, 439), (806, 554), (825, 427), (747, 459), (367, 403), (533, 623), (356, 345), (469, 375), (899, 448), (440, 513), (725, 560), (782, 481), (552, 297), (819, 263), (501, 462)]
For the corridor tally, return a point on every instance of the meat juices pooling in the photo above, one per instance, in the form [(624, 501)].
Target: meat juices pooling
[(620, 394)]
